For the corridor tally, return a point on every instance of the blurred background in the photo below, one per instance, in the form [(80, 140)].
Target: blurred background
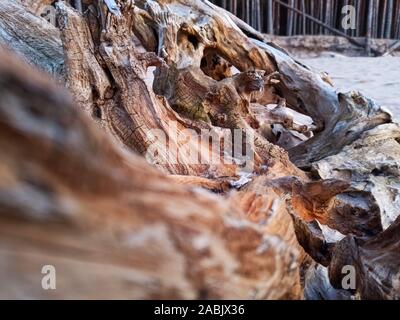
[(299, 17), (356, 42)]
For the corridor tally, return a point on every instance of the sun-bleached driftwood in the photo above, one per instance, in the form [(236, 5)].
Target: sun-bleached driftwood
[(30, 36), (71, 198), (321, 191)]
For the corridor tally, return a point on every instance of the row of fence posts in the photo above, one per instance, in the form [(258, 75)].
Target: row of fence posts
[(374, 18)]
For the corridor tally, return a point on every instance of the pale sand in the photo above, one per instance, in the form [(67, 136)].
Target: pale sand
[(377, 78)]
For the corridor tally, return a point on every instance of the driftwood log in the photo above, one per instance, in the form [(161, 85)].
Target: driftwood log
[(316, 190)]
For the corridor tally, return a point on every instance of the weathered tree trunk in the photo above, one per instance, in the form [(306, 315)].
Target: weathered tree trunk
[(320, 178)]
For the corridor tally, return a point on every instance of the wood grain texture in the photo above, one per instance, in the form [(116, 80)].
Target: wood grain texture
[(75, 191)]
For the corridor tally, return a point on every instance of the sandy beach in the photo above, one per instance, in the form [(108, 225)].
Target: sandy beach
[(378, 78)]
